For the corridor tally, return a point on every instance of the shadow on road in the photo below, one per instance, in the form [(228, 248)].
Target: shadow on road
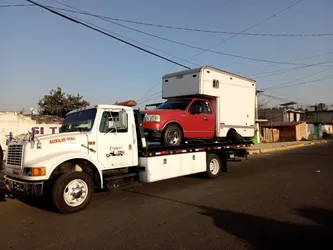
[(265, 233)]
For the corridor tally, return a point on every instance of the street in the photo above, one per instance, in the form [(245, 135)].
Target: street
[(271, 201)]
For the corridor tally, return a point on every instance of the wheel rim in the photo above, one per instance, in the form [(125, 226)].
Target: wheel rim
[(76, 192), (173, 137), (214, 166)]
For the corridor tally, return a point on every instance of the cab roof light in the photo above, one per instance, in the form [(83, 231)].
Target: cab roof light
[(129, 103)]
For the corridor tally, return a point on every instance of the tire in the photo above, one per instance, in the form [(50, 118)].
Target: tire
[(61, 198), (172, 130), (213, 166), (233, 136)]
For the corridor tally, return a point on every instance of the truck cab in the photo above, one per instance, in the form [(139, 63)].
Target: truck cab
[(180, 118), (90, 141)]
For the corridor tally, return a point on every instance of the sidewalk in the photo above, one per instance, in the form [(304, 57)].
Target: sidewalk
[(278, 146)]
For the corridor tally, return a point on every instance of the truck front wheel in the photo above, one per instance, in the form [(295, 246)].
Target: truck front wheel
[(72, 192)]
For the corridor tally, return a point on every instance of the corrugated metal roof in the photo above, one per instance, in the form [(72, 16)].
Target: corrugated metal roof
[(281, 124)]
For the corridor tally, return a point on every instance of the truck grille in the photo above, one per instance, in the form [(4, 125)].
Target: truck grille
[(14, 156)]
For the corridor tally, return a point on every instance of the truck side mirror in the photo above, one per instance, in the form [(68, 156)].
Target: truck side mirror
[(123, 119)]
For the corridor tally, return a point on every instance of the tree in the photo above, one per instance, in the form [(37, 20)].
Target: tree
[(59, 103)]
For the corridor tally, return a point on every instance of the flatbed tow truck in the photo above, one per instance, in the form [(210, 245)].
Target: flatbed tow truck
[(105, 147)]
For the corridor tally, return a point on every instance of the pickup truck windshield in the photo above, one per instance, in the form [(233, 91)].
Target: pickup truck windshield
[(79, 121), (175, 104)]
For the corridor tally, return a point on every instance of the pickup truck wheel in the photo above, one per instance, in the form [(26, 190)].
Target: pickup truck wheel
[(213, 166), (172, 135), (72, 192)]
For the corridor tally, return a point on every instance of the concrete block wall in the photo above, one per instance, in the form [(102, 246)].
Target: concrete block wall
[(17, 124)]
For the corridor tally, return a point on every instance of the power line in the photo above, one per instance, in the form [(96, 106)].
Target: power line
[(295, 60), (177, 42), (109, 35), (252, 26), (84, 12), (283, 71), (302, 83), (185, 28), (281, 98), (302, 78), (149, 97), (244, 30)]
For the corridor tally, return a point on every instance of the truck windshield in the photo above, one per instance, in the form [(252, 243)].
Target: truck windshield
[(175, 104), (79, 121)]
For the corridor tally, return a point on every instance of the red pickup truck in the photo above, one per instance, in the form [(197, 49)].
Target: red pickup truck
[(179, 118)]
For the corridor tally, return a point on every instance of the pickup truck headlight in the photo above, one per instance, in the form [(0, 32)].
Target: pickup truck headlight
[(151, 118)]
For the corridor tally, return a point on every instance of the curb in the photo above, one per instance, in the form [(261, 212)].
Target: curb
[(268, 150)]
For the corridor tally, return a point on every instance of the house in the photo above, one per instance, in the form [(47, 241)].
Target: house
[(319, 122), (285, 113)]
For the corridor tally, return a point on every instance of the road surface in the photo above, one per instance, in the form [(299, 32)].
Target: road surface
[(272, 201)]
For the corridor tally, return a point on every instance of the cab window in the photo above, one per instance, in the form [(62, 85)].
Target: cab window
[(110, 123)]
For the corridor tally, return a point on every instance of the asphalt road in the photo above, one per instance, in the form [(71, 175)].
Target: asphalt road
[(273, 201)]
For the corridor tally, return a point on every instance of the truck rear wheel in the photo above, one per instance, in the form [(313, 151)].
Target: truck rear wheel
[(172, 135), (213, 166), (72, 192)]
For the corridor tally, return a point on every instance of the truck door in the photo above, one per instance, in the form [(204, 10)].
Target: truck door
[(115, 146), (200, 124)]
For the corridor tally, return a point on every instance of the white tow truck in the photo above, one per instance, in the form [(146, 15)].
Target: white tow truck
[(104, 146)]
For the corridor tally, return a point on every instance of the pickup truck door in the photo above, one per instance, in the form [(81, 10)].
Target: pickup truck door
[(201, 124), (115, 146)]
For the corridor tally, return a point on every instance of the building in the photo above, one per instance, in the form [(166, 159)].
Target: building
[(283, 131), (319, 122), (13, 124), (285, 113)]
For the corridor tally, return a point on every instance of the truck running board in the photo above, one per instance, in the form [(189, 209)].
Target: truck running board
[(120, 181)]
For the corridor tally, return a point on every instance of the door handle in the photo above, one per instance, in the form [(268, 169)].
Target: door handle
[(130, 147), (206, 118)]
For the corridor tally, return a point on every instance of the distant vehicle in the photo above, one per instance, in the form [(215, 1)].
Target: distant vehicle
[(203, 103)]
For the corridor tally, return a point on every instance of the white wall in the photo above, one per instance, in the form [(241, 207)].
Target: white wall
[(309, 130), (321, 128), (21, 124), (325, 128)]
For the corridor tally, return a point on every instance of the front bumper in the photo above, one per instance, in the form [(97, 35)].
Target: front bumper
[(153, 133), (31, 188)]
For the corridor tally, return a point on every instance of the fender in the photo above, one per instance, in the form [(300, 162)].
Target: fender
[(173, 121), (52, 161)]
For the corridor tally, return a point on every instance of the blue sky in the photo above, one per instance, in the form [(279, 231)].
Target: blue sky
[(40, 51)]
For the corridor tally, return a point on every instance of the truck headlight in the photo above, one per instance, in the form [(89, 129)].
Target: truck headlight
[(152, 118), (40, 171)]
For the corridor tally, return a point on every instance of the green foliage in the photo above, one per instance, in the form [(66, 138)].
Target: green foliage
[(59, 103)]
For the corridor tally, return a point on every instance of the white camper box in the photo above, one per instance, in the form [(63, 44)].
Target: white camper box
[(232, 96)]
